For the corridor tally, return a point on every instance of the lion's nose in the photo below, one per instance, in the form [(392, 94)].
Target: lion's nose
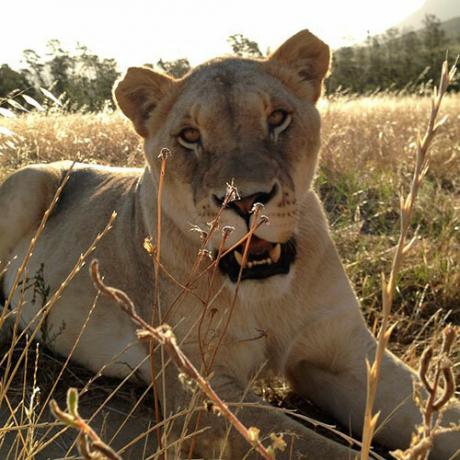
[(244, 205)]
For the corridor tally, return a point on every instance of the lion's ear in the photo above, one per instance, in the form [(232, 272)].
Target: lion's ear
[(308, 57), (139, 92)]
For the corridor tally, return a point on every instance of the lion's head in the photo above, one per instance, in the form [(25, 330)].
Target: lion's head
[(250, 122)]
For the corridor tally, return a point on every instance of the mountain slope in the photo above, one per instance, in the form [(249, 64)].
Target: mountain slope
[(443, 9), (452, 29)]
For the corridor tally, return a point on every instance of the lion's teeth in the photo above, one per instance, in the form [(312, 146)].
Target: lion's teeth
[(238, 257), (275, 253), (266, 261)]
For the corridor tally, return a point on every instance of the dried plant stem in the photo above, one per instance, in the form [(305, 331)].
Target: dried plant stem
[(201, 344), (22, 268), (90, 444), (34, 240), (225, 234), (156, 310), (231, 195), (438, 397), (257, 221), (109, 397), (443, 370), (207, 302), (164, 335), (69, 356), (402, 247), (42, 314), (211, 266)]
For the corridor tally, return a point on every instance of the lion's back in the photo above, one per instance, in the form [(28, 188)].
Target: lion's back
[(85, 205)]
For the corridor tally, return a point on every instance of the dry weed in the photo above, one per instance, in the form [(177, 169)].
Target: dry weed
[(403, 246)]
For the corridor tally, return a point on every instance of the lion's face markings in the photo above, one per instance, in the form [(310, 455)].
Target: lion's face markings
[(245, 136), (236, 120)]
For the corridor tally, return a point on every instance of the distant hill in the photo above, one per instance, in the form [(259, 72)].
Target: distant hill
[(443, 9), (452, 29)]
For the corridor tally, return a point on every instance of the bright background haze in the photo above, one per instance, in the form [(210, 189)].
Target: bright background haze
[(136, 32)]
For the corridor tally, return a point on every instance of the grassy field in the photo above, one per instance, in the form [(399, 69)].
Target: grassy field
[(367, 158)]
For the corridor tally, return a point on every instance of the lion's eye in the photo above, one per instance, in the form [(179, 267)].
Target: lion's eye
[(278, 121), (189, 137)]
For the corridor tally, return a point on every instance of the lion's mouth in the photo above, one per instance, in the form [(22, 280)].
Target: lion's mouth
[(264, 259)]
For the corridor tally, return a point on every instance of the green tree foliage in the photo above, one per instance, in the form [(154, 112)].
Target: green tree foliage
[(34, 67), (393, 61), (434, 42), (82, 79), (243, 46), (92, 80), (10, 81), (176, 69)]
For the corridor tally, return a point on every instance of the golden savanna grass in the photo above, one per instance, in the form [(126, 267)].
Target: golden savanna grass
[(367, 158)]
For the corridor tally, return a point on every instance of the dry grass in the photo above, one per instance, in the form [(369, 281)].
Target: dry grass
[(367, 157), (367, 154), (104, 138), (368, 150)]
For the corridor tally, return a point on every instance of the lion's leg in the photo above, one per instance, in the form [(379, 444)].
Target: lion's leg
[(328, 366), (213, 441), (24, 197)]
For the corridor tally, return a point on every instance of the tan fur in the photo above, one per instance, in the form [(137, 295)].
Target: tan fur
[(314, 332)]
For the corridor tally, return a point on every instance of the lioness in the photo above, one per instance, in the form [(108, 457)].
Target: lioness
[(253, 122)]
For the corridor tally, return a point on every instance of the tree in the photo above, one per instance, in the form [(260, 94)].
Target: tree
[(10, 80), (93, 79), (83, 78), (176, 69), (410, 58), (345, 73), (241, 46), (244, 47), (58, 67), (392, 60), (434, 45), (392, 70), (376, 63), (34, 67)]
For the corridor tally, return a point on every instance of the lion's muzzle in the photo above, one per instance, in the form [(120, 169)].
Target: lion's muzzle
[(264, 258)]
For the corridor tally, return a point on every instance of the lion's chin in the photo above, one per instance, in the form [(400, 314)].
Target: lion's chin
[(263, 291), (264, 260)]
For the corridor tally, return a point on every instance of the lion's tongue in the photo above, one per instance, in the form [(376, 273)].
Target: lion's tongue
[(260, 253), (258, 246)]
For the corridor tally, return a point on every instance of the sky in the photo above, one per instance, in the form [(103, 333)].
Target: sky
[(135, 32)]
